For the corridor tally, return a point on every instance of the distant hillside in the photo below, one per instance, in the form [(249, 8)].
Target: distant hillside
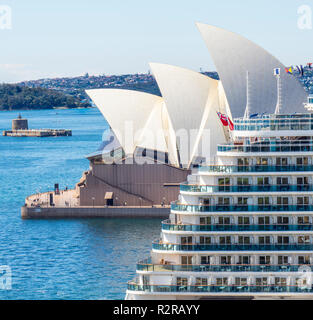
[(15, 97), (76, 86), (70, 91)]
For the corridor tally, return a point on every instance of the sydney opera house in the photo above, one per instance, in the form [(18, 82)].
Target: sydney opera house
[(154, 141)]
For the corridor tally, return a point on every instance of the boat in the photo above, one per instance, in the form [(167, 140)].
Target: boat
[(244, 229)]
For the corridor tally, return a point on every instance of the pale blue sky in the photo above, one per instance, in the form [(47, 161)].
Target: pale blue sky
[(51, 38)]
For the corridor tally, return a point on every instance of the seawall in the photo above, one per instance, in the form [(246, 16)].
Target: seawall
[(94, 212)]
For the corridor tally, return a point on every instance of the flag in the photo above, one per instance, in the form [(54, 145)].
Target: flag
[(226, 121), (223, 118), (300, 70), (289, 70), (276, 71), (230, 124)]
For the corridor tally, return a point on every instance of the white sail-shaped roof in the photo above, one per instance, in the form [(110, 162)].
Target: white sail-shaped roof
[(185, 93), (158, 133), (233, 56), (211, 131), (127, 112)]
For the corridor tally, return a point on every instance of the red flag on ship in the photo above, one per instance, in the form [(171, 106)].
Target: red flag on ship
[(230, 124), (226, 121)]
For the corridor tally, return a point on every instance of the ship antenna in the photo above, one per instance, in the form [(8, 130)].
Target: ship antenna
[(279, 91), (247, 112)]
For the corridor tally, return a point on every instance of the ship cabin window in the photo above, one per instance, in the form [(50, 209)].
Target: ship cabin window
[(282, 260), (204, 201), (243, 201), (186, 260), (225, 240), (304, 220), (186, 240), (261, 281), (223, 201), (303, 239), (243, 162), (221, 281), (282, 181), (262, 181), (224, 181), (262, 161), (302, 181), (282, 220), (265, 240), (283, 240), (304, 260), (201, 282), (244, 240), (282, 201), (282, 161), (242, 181), (302, 161), (302, 201), (224, 184), (244, 260), (205, 259), (264, 201), (280, 281), (225, 260), (224, 220), (205, 220), (264, 220), (243, 220), (205, 240), (182, 282), (265, 260), (241, 281), (145, 280)]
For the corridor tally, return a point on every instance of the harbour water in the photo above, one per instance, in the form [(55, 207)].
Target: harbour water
[(62, 259)]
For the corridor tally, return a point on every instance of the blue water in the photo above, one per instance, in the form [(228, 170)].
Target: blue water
[(62, 259)]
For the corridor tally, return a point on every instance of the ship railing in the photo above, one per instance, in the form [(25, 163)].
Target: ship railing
[(255, 168), (239, 208), (308, 147), (147, 266), (159, 245), (220, 288), (245, 188), (167, 225)]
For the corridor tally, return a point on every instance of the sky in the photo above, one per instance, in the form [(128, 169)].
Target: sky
[(56, 38)]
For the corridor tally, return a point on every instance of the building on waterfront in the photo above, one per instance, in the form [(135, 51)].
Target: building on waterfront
[(145, 155), (20, 129)]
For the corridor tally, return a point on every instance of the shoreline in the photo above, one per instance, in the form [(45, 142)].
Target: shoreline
[(54, 108)]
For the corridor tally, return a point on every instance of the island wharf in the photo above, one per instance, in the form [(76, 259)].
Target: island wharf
[(20, 129)]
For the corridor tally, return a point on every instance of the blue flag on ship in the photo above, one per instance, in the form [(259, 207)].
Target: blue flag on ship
[(300, 70)]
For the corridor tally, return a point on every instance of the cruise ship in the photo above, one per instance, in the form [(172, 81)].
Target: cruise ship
[(243, 226)]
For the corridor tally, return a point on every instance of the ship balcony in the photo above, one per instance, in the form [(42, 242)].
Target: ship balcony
[(133, 286), (174, 247), (255, 168), (273, 146), (168, 226), (147, 266), (245, 188), (239, 208)]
